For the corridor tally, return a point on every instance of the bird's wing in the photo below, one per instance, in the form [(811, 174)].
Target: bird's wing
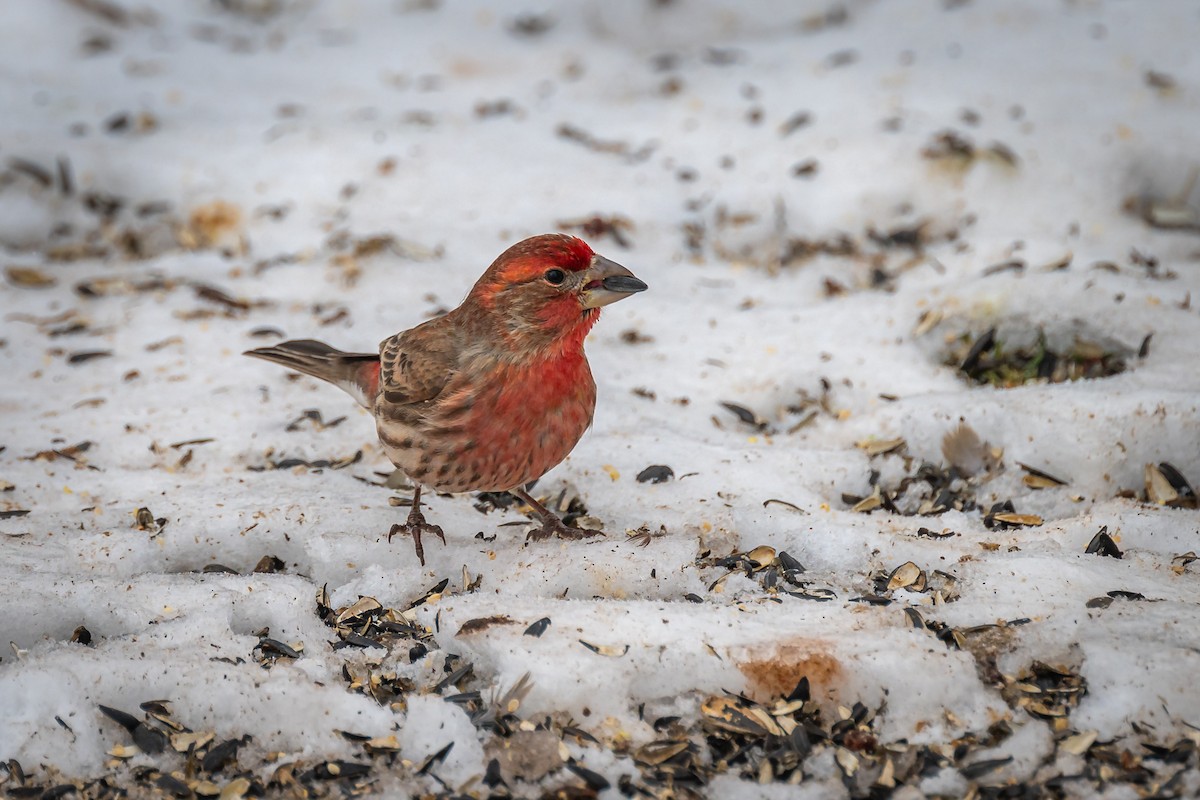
[(416, 365)]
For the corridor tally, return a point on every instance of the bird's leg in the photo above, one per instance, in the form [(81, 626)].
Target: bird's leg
[(416, 525), (551, 524)]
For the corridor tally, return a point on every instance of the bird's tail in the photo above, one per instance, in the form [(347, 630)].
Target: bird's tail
[(356, 373)]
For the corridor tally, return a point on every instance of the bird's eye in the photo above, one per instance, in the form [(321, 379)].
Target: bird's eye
[(555, 277)]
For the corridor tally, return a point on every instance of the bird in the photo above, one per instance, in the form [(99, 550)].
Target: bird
[(493, 394)]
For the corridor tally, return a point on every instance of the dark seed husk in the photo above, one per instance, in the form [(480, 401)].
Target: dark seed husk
[(31, 169), (819, 595), (656, 473), (436, 758), (975, 770), (538, 628), (454, 677), (221, 755), (438, 588), (1144, 348), (126, 721), (1177, 481), (357, 640), (334, 770), (872, 599), (150, 740), (594, 780), (1041, 474), (579, 733), (928, 534), (480, 624), (1102, 544), (789, 562), (612, 651), (144, 520), (173, 786), (87, 355), (269, 564), (159, 709), (981, 345), (491, 776), (274, 648), (745, 415)]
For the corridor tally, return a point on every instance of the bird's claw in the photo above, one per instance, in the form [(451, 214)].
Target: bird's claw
[(415, 527), (556, 527)]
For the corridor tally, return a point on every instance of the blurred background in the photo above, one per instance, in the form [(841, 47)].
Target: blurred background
[(367, 132)]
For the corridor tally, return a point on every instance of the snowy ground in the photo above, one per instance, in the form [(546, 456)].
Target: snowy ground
[(184, 181)]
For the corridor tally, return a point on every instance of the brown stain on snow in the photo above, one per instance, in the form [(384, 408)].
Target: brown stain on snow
[(773, 671), (211, 224)]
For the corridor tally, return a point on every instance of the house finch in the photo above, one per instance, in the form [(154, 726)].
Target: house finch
[(493, 394)]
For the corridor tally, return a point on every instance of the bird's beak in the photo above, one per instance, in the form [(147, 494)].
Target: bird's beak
[(607, 282)]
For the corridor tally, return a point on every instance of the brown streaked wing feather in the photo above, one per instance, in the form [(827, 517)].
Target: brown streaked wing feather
[(417, 364)]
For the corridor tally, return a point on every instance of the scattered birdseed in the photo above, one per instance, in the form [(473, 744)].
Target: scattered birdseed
[(318, 464), (985, 360)]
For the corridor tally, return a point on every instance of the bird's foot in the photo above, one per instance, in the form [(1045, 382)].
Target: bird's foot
[(553, 526), (415, 527)]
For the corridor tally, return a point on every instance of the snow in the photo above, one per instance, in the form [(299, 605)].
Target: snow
[(431, 724), (280, 138)]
